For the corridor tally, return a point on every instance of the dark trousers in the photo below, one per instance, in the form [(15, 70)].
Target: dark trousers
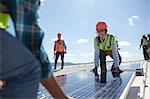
[(146, 57), (103, 77), (62, 59), (103, 55)]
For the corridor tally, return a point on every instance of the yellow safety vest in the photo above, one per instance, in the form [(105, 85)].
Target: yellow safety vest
[(4, 16), (107, 46), (145, 42)]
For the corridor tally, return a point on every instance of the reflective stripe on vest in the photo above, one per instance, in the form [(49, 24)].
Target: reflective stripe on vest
[(59, 46), (4, 17), (107, 46)]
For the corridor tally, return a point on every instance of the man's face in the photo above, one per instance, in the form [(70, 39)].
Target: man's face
[(101, 33), (59, 36)]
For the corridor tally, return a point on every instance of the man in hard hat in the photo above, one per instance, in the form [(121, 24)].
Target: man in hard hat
[(148, 51), (144, 45), (59, 50), (105, 44), (24, 16)]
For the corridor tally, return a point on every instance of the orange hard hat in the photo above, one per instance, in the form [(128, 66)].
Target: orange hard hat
[(101, 26)]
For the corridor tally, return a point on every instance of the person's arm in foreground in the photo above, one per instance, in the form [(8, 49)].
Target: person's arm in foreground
[(28, 31), (52, 86)]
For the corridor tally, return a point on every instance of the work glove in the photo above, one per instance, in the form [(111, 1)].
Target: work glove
[(65, 52)]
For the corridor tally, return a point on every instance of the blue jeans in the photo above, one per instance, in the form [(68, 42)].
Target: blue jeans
[(19, 68)]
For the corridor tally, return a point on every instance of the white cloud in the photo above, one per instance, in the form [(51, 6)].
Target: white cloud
[(69, 54), (131, 19), (137, 54), (124, 43), (137, 47), (52, 50), (84, 54), (53, 39), (87, 54), (81, 40), (128, 56), (91, 54)]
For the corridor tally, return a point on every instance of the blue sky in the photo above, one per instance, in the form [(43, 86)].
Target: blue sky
[(76, 20)]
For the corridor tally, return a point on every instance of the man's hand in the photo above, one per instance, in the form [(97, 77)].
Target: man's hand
[(65, 52), (119, 48), (2, 83)]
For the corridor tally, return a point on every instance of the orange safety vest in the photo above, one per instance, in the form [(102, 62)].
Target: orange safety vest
[(59, 46)]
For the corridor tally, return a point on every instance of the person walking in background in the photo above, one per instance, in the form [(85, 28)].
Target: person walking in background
[(59, 50), (148, 35), (148, 51), (105, 44), (144, 45), (24, 16)]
